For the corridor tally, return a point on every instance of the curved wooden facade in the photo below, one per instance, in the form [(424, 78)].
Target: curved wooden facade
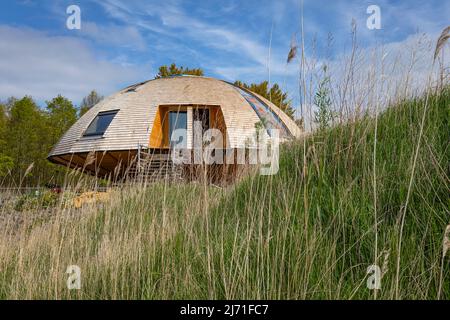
[(140, 121)]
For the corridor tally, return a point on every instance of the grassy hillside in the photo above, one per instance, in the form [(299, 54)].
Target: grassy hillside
[(309, 231)]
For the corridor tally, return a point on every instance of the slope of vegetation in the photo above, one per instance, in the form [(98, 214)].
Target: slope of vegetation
[(310, 231)]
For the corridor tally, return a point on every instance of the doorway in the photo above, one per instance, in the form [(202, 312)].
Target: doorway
[(178, 120), (202, 115)]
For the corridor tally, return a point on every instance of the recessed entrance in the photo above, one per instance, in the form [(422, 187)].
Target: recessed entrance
[(171, 117)]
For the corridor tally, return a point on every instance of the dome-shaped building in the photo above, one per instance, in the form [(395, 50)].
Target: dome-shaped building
[(141, 118)]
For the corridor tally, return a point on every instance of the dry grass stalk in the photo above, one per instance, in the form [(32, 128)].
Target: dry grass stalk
[(439, 45), (30, 167), (90, 159), (445, 248), (127, 248), (446, 242), (385, 267), (445, 35), (292, 51)]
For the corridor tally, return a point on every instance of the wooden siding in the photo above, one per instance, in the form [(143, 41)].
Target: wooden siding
[(156, 137), (138, 108)]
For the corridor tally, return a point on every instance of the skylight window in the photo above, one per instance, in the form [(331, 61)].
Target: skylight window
[(101, 122)]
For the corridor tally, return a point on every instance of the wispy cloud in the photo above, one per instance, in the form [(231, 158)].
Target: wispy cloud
[(172, 21), (115, 35), (228, 39), (36, 64)]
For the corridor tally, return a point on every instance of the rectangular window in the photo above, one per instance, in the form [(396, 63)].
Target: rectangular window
[(178, 120), (101, 122)]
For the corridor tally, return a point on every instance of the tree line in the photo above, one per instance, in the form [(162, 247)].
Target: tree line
[(28, 132)]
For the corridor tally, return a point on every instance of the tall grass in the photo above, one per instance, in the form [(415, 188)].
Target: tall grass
[(307, 232)]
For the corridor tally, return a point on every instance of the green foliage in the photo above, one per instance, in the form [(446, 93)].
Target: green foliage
[(300, 123), (305, 233), (173, 70), (314, 224), (260, 126), (324, 115), (3, 120), (6, 162), (89, 101), (6, 165), (274, 94), (27, 134), (61, 116), (36, 200)]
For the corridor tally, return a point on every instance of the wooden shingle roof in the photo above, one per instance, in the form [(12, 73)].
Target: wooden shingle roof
[(139, 103)]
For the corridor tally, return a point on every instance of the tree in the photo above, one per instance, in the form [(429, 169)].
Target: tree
[(26, 128), (6, 165), (6, 162), (61, 116), (3, 122), (275, 95), (173, 70), (324, 115), (300, 123), (27, 134), (89, 101)]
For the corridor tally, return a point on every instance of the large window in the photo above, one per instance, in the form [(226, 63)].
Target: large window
[(267, 116), (178, 120), (101, 122)]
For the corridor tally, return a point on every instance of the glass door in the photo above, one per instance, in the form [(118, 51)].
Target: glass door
[(202, 115), (178, 120)]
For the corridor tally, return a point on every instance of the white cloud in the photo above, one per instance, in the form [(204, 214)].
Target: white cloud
[(393, 70), (111, 34), (37, 64), (381, 76), (236, 50)]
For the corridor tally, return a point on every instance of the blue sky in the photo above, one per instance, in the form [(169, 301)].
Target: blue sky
[(123, 42)]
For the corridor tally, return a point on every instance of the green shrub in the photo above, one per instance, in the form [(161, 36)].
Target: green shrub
[(36, 200)]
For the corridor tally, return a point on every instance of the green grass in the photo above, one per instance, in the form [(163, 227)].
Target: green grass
[(307, 232)]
